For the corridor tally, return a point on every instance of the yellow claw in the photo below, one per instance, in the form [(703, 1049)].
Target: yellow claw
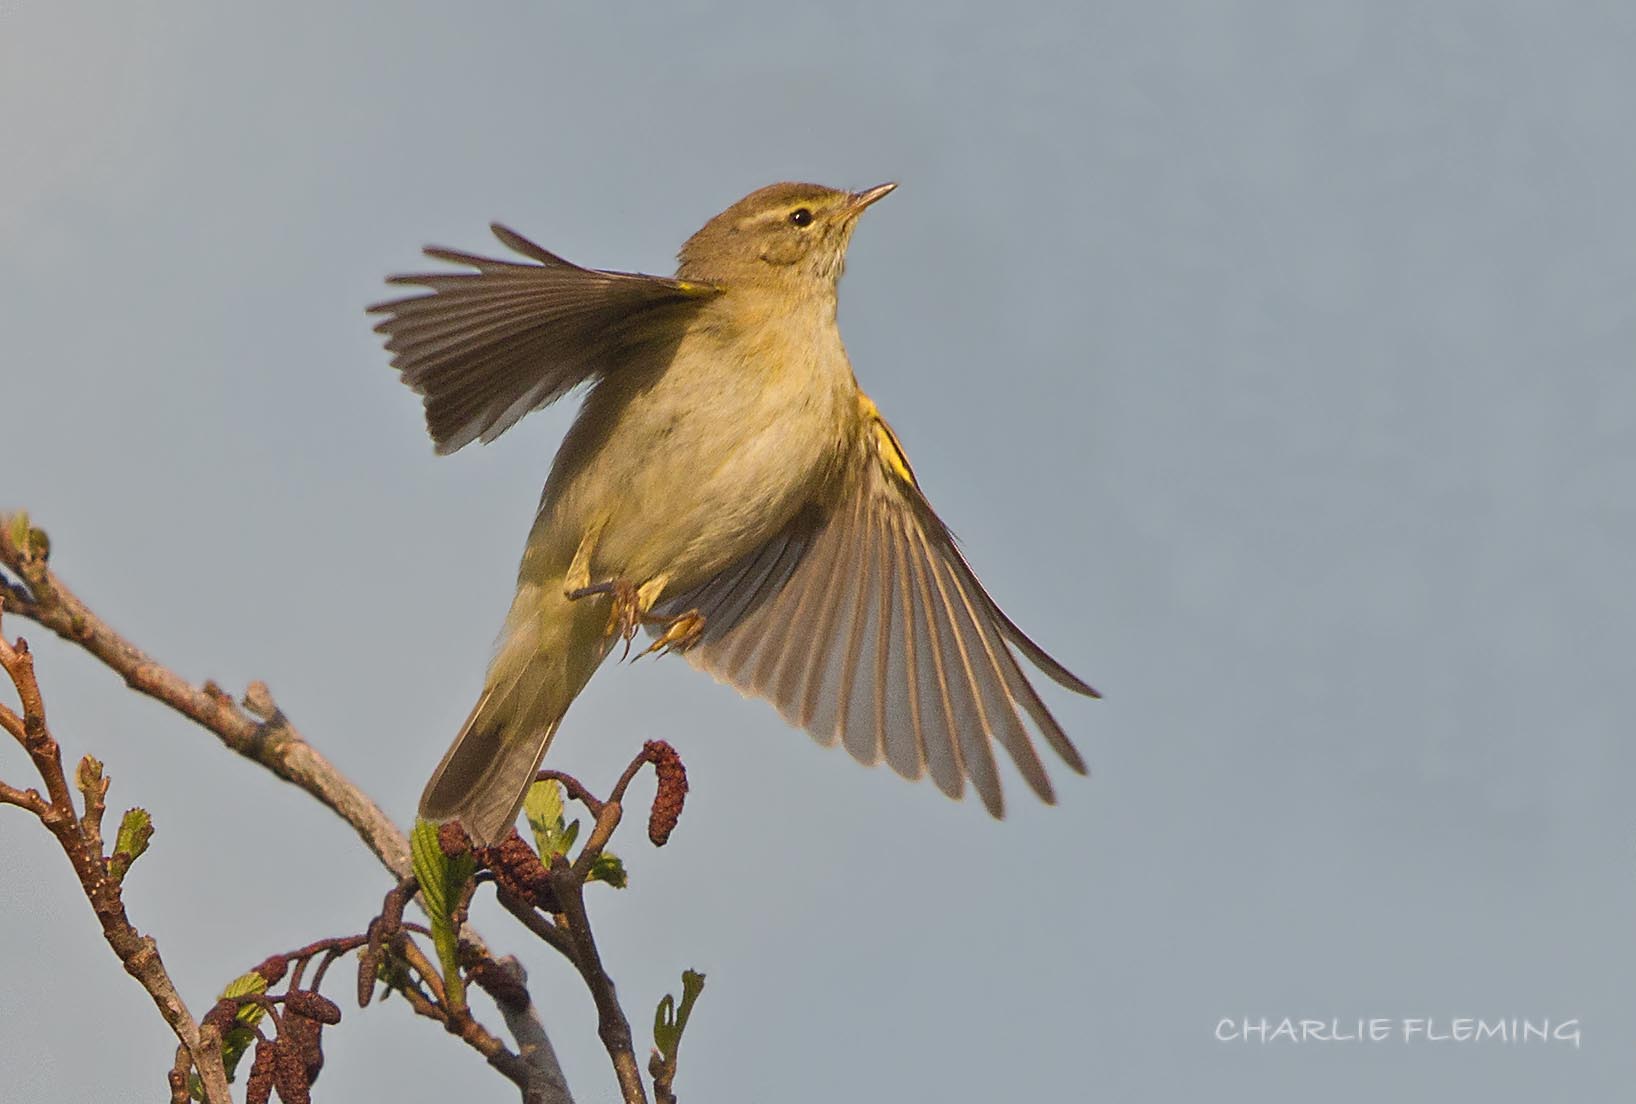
[(628, 607), (681, 633)]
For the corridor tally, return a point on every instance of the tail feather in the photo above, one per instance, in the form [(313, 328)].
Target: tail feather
[(484, 776), (549, 651)]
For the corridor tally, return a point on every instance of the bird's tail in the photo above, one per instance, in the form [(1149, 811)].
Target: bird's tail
[(549, 650)]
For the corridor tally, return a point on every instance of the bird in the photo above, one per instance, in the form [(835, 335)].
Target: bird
[(727, 486)]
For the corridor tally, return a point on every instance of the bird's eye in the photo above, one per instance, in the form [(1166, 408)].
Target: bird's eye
[(800, 216)]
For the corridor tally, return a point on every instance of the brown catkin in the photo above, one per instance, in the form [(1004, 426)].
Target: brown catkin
[(671, 793)]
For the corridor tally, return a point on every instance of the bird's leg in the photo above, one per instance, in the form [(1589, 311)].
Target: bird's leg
[(629, 609), (578, 577), (624, 613), (680, 632), (626, 610)]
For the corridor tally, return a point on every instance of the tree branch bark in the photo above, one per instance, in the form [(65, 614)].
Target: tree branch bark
[(80, 840), (258, 730)]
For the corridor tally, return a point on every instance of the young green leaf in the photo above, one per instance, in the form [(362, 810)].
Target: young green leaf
[(670, 1020), (135, 830), (543, 806), (607, 867), (441, 880)]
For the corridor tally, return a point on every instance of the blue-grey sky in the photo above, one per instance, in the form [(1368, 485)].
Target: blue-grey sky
[(1272, 360)]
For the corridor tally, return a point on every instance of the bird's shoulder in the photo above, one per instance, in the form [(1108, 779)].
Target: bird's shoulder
[(882, 445)]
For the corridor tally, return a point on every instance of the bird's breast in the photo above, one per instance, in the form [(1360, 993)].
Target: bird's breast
[(712, 456)]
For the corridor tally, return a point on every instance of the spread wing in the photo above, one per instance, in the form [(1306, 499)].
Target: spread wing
[(484, 348), (863, 624)]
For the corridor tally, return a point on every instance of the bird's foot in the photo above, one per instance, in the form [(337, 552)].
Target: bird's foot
[(681, 633), (624, 615), (624, 612)]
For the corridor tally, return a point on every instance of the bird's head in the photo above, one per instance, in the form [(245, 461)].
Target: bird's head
[(780, 235)]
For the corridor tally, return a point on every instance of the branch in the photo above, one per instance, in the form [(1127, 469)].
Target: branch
[(259, 731), (507, 983), (80, 838), (612, 1027), (570, 931)]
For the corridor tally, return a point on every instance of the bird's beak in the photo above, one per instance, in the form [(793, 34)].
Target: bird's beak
[(863, 199)]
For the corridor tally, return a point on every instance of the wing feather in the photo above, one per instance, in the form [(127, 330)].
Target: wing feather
[(856, 735), (864, 624), (968, 718), (943, 758), (821, 574), (483, 348), (906, 743)]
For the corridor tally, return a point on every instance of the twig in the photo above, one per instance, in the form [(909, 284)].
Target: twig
[(573, 926), (576, 789), (534, 922), (507, 983), (81, 843), (23, 799), (612, 1027), (259, 731), (568, 884), (536, 1072)]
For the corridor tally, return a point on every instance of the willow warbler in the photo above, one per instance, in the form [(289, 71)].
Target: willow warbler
[(727, 486)]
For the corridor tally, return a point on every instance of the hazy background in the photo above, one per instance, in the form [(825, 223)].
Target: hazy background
[(1272, 360)]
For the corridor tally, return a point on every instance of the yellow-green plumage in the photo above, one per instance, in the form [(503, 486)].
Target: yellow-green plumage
[(725, 462), (548, 651)]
